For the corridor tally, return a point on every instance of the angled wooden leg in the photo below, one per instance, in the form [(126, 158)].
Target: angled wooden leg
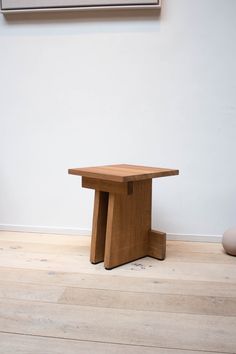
[(99, 227), (128, 225), (157, 244)]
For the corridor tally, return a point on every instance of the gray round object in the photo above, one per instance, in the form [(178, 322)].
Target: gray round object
[(229, 241)]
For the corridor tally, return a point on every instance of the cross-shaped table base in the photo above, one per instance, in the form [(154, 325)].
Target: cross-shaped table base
[(122, 213)]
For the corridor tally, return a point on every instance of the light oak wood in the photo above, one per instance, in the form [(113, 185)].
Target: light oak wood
[(160, 329), (153, 302), (33, 292), (178, 251), (23, 344), (130, 300), (118, 282), (145, 267), (48, 239), (157, 306), (133, 282)]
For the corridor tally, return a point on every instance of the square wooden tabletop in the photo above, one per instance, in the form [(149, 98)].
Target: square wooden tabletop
[(123, 172)]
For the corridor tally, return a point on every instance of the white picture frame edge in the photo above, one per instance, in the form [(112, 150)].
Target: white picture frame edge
[(108, 6)]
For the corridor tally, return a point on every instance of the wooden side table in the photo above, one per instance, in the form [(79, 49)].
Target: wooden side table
[(122, 213)]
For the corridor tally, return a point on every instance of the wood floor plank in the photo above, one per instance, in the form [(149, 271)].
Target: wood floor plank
[(80, 249), (146, 267), (190, 332), (115, 282), (205, 305), (33, 292), (52, 297), (177, 251), (181, 270), (43, 238), (83, 249), (198, 252), (26, 237), (211, 305), (197, 257), (23, 344), (197, 247)]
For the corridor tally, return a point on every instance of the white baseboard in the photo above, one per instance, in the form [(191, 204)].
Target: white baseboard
[(195, 238), (87, 232), (46, 230)]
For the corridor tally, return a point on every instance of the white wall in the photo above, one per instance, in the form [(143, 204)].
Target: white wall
[(100, 88)]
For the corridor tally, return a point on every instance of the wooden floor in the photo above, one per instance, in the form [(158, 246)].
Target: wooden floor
[(52, 300)]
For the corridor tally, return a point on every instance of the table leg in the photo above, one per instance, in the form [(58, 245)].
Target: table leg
[(157, 244), (128, 225), (99, 227), (122, 227)]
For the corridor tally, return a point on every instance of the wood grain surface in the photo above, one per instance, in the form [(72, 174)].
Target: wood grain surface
[(128, 225), (123, 172), (99, 227), (52, 298)]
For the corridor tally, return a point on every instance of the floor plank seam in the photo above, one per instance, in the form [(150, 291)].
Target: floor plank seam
[(226, 282), (135, 274), (116, 308), (116, 343), (50, 293), (65, 287)]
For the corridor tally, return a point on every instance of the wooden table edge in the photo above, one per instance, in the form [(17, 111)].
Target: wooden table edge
[(131, 178)]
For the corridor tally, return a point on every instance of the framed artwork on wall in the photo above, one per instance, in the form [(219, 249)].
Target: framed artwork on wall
[(8, 6)]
